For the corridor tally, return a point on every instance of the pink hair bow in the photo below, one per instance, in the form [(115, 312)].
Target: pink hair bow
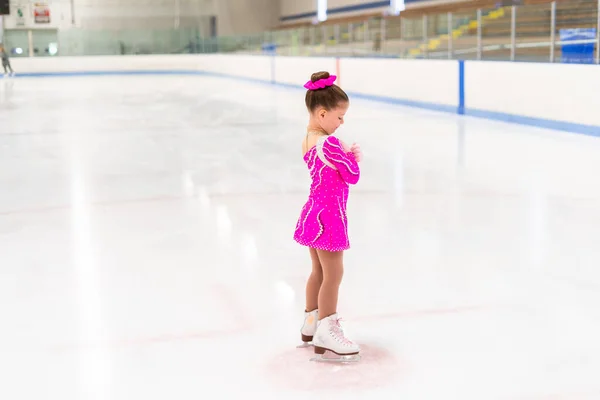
[(321, 83)]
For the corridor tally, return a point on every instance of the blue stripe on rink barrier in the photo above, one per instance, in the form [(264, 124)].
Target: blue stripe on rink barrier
[(461, 87)]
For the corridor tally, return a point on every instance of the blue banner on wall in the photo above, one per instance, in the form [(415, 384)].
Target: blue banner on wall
[(578, 53)]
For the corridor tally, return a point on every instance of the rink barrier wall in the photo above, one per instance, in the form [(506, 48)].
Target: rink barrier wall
[(534, 94)]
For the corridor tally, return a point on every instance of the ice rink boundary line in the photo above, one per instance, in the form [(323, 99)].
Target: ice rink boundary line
[(571, 127), (461, 109)]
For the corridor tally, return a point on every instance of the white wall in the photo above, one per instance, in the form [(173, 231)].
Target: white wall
[(335, 4), (552, 93), (235, 17), (294, 7), (344, 3), (240, 17), (139, 14), (113, 14)]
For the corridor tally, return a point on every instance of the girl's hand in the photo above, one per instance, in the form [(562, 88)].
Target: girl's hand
[(355, 149), (347, 149)]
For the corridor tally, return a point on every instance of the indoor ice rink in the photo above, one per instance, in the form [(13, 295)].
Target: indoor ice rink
[(147, 215), (146, 233)]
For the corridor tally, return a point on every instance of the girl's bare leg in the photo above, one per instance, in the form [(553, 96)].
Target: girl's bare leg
[(314, 282), (332, 264)]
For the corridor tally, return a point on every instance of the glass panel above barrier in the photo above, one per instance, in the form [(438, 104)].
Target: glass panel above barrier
[(411, 45), (16, 43), (464, 35), (496, 33), (532, 32), (576, 32)]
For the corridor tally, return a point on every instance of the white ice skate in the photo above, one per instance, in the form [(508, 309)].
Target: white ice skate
[(330, 337), (309, 328)]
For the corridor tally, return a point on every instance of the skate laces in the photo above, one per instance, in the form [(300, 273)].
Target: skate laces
[(338, 330)]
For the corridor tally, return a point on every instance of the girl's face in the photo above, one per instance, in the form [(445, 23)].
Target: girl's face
[(330, 120)]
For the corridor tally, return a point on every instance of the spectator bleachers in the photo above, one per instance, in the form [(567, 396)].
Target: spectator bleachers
[(445, 30)]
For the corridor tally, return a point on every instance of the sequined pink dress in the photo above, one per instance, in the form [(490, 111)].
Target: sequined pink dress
[(323, 223)]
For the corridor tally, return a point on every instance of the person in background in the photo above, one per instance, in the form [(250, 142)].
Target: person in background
[(5, 61)]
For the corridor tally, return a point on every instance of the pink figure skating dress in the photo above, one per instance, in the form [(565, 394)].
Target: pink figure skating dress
[(323, 223)]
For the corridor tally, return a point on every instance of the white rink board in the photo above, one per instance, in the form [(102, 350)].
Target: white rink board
[(253, 67), (548, 91), (553, 93), (415, 80), (105, 63), (297, 70)]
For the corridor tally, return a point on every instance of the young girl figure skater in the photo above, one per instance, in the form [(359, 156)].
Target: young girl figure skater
[(323, 224)]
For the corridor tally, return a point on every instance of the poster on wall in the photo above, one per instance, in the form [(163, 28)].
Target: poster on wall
[(20, 16), (41, 13), (35, 14)]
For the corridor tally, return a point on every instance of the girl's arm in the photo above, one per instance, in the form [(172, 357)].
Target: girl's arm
[(344, 161)]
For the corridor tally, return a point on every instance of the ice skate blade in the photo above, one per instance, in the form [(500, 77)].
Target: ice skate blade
[(304, 345), (338, 359)]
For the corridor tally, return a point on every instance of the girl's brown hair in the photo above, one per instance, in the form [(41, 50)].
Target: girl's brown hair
[(328, 98)]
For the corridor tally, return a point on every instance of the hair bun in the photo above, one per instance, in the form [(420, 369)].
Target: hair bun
[(319, 75)]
